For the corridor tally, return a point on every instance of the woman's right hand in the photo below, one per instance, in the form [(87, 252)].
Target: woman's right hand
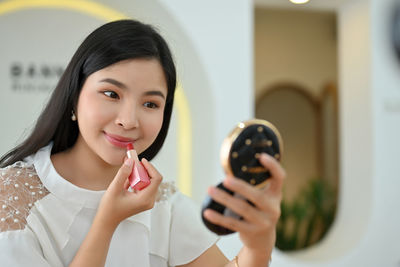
[(118, 203)]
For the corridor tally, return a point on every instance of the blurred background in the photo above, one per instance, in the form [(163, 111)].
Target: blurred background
[(326, 73)]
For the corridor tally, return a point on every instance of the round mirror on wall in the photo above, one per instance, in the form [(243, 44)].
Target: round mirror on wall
[(309, 129), (294, 112)]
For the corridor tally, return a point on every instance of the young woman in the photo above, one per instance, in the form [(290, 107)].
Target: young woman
[(63, 192)]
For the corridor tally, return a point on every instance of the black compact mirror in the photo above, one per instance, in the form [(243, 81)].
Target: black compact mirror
[(239, 157)]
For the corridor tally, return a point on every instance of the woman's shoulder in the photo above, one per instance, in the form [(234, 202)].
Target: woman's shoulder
[(20, 188)]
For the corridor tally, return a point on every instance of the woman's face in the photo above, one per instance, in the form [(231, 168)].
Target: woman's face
[(119, 104)]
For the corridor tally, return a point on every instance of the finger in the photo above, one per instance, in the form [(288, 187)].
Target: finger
[(225, 221), (126, 184), (250, 192), (277, 172), (155, 177), (239, 206), (265, 201), (151, 170), (123, 173)]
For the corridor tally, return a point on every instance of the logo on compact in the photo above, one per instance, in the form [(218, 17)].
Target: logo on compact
[(34, 77)]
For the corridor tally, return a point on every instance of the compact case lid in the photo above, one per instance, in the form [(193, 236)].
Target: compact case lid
[(242, 147)]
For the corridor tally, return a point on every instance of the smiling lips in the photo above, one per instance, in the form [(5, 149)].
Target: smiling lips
[(117, 140)]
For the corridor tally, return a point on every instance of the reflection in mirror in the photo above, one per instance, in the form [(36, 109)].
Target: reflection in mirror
[(308, 126), (329, 135)]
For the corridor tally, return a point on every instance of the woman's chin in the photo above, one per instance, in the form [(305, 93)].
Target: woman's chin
[(113, 162)]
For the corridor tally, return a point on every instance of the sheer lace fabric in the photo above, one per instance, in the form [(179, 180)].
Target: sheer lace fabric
[(165, 191), (20, 188)]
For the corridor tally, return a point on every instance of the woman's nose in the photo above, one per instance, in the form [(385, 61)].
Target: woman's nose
[(128, 117)]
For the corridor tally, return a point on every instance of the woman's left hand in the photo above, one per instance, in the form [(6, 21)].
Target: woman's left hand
[(257, 229)]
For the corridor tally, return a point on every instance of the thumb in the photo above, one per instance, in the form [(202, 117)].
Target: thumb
[(123, 174)]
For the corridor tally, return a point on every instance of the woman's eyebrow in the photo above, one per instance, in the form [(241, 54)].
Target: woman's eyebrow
[(114, 82), (123, 86), (154, 92)]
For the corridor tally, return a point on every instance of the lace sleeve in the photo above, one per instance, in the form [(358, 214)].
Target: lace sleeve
[(20, 188), (165, 191)]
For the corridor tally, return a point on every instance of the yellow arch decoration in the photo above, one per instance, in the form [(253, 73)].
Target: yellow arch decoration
[(107, 14)]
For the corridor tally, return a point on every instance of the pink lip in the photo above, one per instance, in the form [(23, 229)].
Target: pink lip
[(117, 140)]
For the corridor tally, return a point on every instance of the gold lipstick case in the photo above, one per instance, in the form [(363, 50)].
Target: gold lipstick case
[(239, 157)]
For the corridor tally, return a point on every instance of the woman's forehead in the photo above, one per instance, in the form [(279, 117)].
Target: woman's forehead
[(142, 73)]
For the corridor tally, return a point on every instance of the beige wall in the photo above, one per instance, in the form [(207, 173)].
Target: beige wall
[(294, 46)]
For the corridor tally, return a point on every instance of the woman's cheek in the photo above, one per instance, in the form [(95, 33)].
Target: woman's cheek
[(98, 114), (154, 126)]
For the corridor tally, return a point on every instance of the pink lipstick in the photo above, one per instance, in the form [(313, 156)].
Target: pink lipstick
[(139, 178)]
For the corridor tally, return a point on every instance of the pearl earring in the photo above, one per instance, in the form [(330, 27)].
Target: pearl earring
[(73, 116)]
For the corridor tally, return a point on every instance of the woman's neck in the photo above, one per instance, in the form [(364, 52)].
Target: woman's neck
[(83, 168)]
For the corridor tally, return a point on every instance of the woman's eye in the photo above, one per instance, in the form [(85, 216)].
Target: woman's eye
[(150, 105), (111, 94)]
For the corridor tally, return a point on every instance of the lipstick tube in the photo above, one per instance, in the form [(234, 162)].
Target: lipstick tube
[(139, 178)]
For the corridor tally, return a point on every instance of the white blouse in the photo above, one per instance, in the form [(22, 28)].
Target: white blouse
[(44, 219)]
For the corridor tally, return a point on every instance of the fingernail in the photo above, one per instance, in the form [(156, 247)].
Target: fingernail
[(128, 162), (265, 156)]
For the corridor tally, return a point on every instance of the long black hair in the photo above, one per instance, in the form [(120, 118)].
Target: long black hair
[(108, 44)]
